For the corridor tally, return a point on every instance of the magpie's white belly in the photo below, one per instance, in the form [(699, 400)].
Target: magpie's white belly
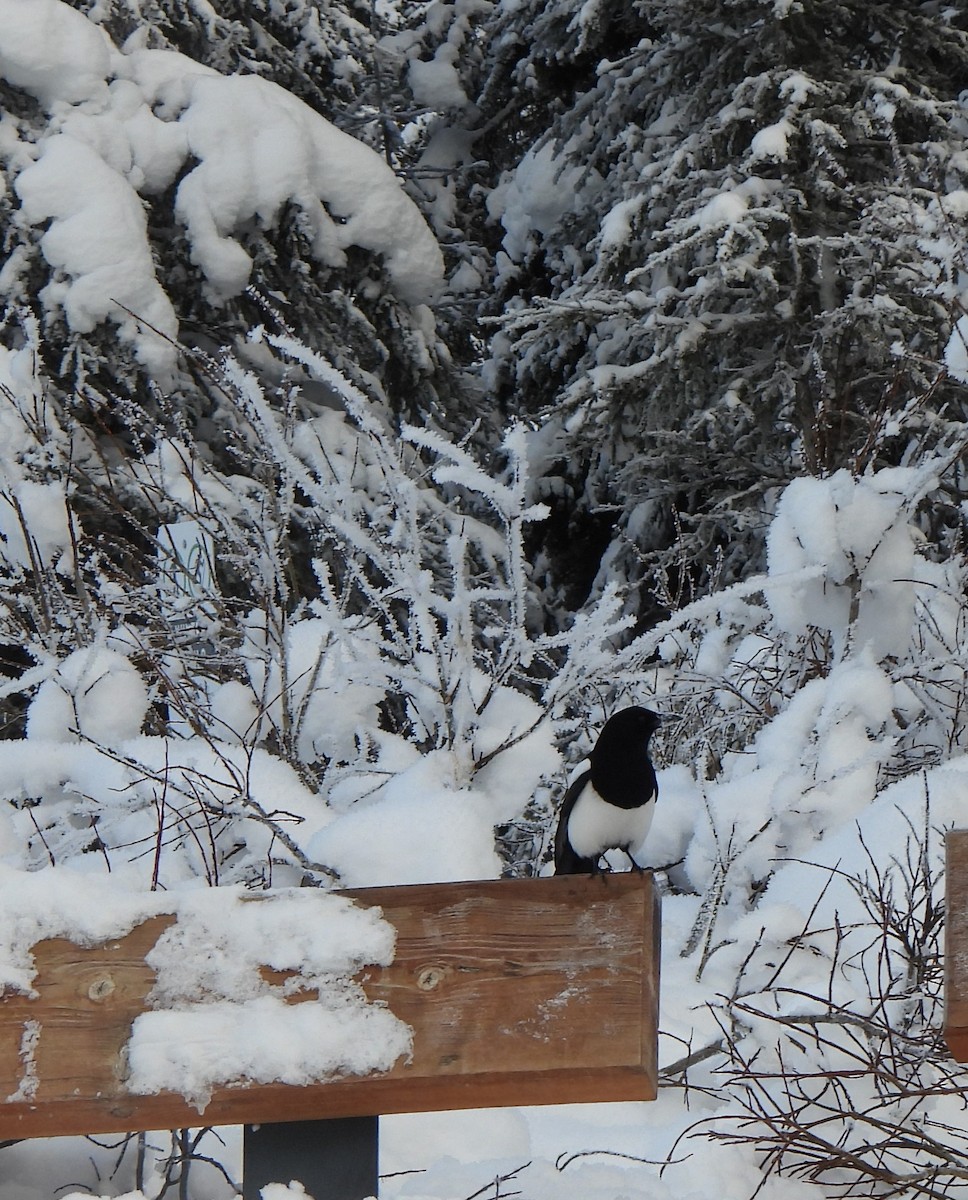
[(596, 826)]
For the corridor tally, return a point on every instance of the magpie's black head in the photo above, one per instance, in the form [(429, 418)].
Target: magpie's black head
[(629, 727)]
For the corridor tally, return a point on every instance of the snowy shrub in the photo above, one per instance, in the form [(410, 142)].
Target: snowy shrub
[(362, 635), (800, 693), (827, 1051), (822, 706)]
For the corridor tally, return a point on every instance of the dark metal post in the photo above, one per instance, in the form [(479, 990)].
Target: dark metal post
[(335, 1159)]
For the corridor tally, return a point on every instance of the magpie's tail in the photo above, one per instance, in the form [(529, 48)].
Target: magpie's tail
[(567, 862)]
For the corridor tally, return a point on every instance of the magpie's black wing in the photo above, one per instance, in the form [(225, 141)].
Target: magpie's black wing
[(567, 862)]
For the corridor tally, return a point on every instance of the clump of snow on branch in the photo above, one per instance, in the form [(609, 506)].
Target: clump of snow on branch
[(853, 532), (806, 689)]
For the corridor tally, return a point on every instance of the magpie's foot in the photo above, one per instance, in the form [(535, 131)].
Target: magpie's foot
[(602, 869)]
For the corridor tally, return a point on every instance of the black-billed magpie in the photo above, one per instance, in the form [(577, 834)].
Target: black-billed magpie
[(609, 806)]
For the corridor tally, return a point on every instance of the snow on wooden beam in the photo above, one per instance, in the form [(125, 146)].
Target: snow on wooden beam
[(540, 991), (956, 944)]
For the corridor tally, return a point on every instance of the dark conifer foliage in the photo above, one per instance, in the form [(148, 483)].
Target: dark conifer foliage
[(729, 260)]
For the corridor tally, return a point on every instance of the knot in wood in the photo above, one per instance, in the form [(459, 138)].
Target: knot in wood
[(430, 977), (100, 988)]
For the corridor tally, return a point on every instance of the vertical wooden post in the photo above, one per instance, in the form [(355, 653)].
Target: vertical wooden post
[(336, 1159), (956, 944)]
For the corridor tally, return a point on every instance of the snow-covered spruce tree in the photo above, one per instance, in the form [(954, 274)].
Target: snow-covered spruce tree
[(727, 256), (195, 185)]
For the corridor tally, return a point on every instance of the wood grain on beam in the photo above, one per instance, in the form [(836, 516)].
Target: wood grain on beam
[(535, 991)]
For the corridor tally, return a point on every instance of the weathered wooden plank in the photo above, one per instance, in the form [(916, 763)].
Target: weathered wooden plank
[(956, 944), (519, 992)]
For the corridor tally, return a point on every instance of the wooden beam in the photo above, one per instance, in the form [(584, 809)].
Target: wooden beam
[(956, 944), (537, 991)]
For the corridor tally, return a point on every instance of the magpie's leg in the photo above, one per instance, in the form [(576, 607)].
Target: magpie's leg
[(601, 871), (635, 866)]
